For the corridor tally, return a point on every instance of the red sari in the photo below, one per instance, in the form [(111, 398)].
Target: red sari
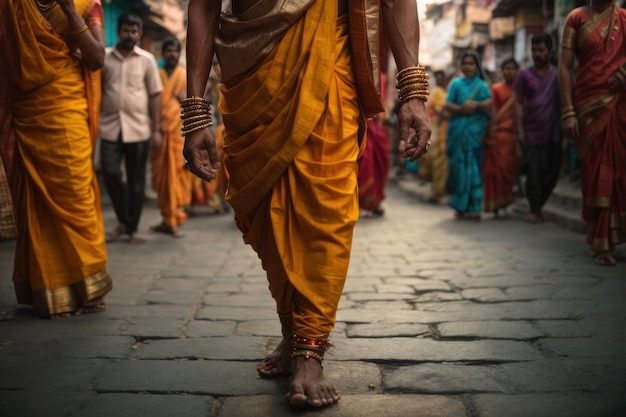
[(374, 166), (602, 121), (500, 151)]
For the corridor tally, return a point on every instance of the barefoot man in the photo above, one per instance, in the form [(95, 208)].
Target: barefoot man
[(297, 88)]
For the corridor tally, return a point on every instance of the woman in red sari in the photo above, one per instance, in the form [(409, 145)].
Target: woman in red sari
[(374, 166), (500, 144), (594, 115)]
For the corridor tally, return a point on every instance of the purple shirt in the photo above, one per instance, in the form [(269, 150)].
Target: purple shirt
[(542, 122)]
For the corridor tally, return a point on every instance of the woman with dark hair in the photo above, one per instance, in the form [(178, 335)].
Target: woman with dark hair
[(501, 160), (594, 116), (469, 103), (50, 51)]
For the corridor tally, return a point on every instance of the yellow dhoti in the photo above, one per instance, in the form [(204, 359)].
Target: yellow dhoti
[(292, 142)]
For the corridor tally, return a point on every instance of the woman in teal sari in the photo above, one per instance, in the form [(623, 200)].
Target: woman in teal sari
[(469, 103)]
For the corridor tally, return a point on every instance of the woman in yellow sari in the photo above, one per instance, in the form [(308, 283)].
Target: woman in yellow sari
[(60, 259)]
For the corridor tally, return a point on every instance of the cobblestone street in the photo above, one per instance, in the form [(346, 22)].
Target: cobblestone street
[(439, 318)]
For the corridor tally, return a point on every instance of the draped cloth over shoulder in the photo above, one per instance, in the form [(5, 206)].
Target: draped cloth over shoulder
[(601, 145), (500, 151), (255, 32), (170, 179), (291, 145), (60, 259), (464, 145)]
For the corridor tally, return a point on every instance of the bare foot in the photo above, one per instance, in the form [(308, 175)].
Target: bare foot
[(604, 258), (116, 233), (533, 218), (58, 316), (165, 229), (277, 363), (95, 306), (136, 238), (309, 385)]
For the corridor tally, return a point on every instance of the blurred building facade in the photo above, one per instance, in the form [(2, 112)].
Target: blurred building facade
[(496, 29)]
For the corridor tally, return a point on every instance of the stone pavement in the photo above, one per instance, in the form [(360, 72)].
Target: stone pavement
[(439, 318)]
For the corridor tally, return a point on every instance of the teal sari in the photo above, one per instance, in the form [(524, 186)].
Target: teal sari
[(464, 145)]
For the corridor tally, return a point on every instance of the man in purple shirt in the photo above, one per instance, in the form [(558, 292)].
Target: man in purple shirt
[(537, 117)]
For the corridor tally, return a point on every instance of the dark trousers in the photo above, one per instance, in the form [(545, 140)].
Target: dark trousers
[(541, 164), (127, 198)]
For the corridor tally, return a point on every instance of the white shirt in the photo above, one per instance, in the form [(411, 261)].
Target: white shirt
[(127, 84)]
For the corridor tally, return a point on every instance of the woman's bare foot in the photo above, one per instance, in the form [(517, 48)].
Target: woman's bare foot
[(95, 306), (604, 258), (309, 385), (533, 218), (277, 363), (59, 316)]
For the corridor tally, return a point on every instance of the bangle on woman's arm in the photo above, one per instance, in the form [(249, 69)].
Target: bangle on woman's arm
[(80, 32)]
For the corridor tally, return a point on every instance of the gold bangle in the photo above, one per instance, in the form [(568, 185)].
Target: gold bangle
[(195, 107), (81, 31), (185, 132), (411, 70), (195, 100), (567, 109), (412, 82), (568, 114), (188, 126), (422, 95), (196, 118)]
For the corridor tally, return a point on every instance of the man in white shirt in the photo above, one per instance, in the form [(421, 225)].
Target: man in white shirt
[(129, 123)]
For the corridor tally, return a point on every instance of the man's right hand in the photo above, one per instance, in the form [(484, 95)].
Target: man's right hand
[(201, 155)]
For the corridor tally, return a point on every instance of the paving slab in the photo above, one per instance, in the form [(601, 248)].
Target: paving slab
[(427, 350), (594, 347), (566, 328), (114, 347), (152, 328), (236, 313), (45, 374), (383, 330), (216, 348), (550, 405), (349, 406), (514, 330), (222, 378), (108, 405), (205, 328), (41, 403)]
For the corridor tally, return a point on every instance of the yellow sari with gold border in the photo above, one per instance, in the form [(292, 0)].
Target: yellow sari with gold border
[(60, 258)]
